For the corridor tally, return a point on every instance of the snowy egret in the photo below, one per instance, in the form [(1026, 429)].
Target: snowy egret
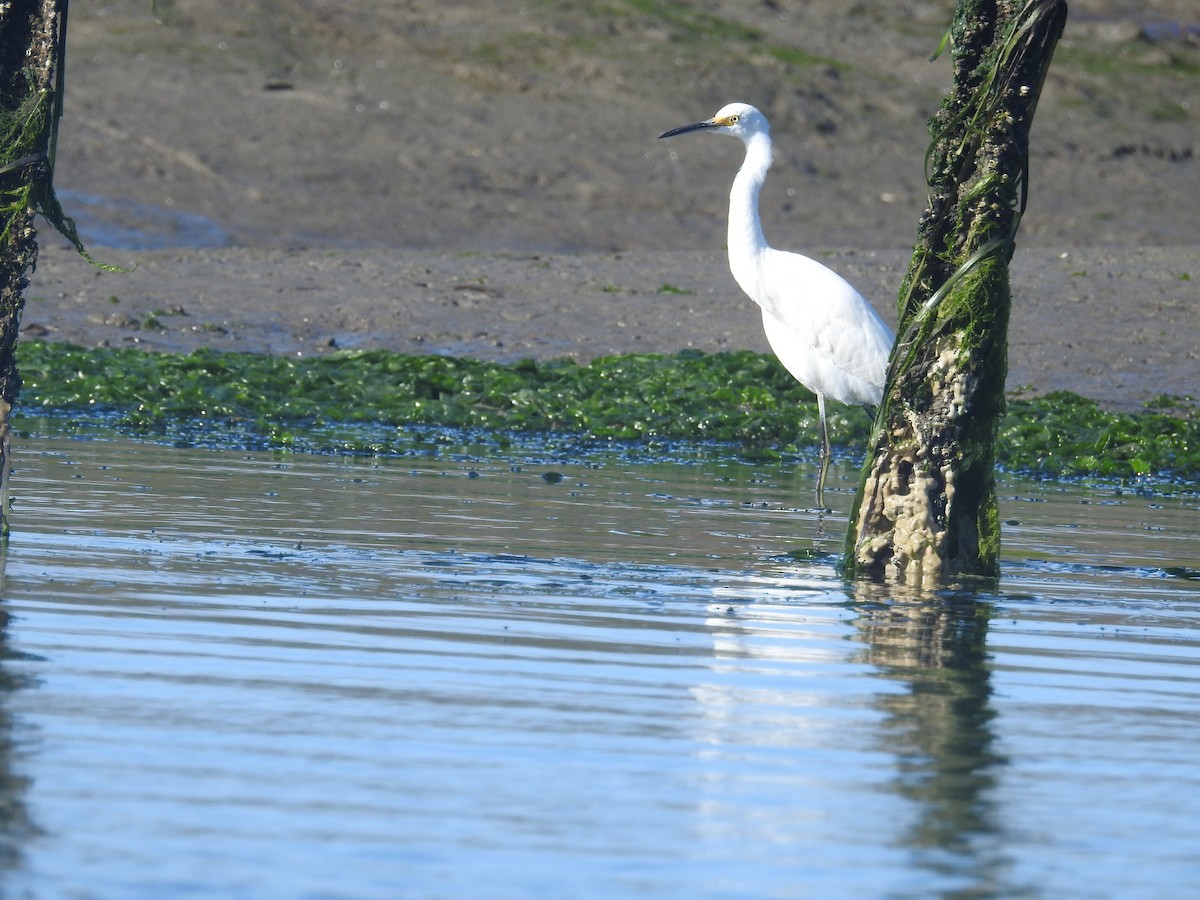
[(822, 330)]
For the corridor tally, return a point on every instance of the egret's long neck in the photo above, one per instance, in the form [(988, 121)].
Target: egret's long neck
[(746, 241)]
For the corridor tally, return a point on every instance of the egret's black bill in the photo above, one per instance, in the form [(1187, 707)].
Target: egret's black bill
[(684, 129)]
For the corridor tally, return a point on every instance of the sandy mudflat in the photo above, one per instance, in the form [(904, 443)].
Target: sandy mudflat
[(1114, 325), (480, 180)]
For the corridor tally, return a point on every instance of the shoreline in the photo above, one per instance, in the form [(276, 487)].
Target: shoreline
[(1110, 324)]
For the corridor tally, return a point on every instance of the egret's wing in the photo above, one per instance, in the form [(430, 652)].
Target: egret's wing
[(832, 321)]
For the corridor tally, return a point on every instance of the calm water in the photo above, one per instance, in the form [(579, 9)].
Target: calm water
[(251, 675)]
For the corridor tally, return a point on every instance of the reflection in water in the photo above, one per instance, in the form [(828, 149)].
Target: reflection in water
[(785, 679), (278, 675), (940, 728), (15, 825), (783, 716)]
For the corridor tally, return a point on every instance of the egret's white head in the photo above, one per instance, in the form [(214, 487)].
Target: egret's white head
[(740, 120)]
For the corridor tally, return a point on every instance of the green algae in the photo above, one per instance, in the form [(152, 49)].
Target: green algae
[(1064, 435), (737, 397), (743, 399)]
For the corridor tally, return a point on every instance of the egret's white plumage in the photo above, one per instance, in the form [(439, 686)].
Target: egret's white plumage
[(823, 330)]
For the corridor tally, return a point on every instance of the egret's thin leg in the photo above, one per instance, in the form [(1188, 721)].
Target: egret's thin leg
[(824, 465)]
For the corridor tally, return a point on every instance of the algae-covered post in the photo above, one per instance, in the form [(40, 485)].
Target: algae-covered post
[(926, 508), (29, 62), (32, 46)]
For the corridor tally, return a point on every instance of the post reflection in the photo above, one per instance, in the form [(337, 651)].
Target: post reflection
[(939, 729), (852, 719), (15, 825)]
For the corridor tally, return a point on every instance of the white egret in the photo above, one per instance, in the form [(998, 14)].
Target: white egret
[(822, 330)]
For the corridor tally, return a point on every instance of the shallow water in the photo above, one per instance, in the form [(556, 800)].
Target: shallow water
[(246, 675), (129, 225)]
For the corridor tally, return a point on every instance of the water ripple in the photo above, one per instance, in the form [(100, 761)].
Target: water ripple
[(383, 677)]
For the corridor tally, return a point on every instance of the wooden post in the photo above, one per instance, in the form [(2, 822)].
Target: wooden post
[(926, 509), (31, 44)]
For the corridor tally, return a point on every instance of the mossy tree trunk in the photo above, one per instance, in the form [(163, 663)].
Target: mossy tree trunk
[(30, 61), (926, 509)]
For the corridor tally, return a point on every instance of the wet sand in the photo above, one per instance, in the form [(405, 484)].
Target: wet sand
[(1116, 326)]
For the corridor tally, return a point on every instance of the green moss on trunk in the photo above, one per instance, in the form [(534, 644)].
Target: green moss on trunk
[(926, 509), (29, 48)]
